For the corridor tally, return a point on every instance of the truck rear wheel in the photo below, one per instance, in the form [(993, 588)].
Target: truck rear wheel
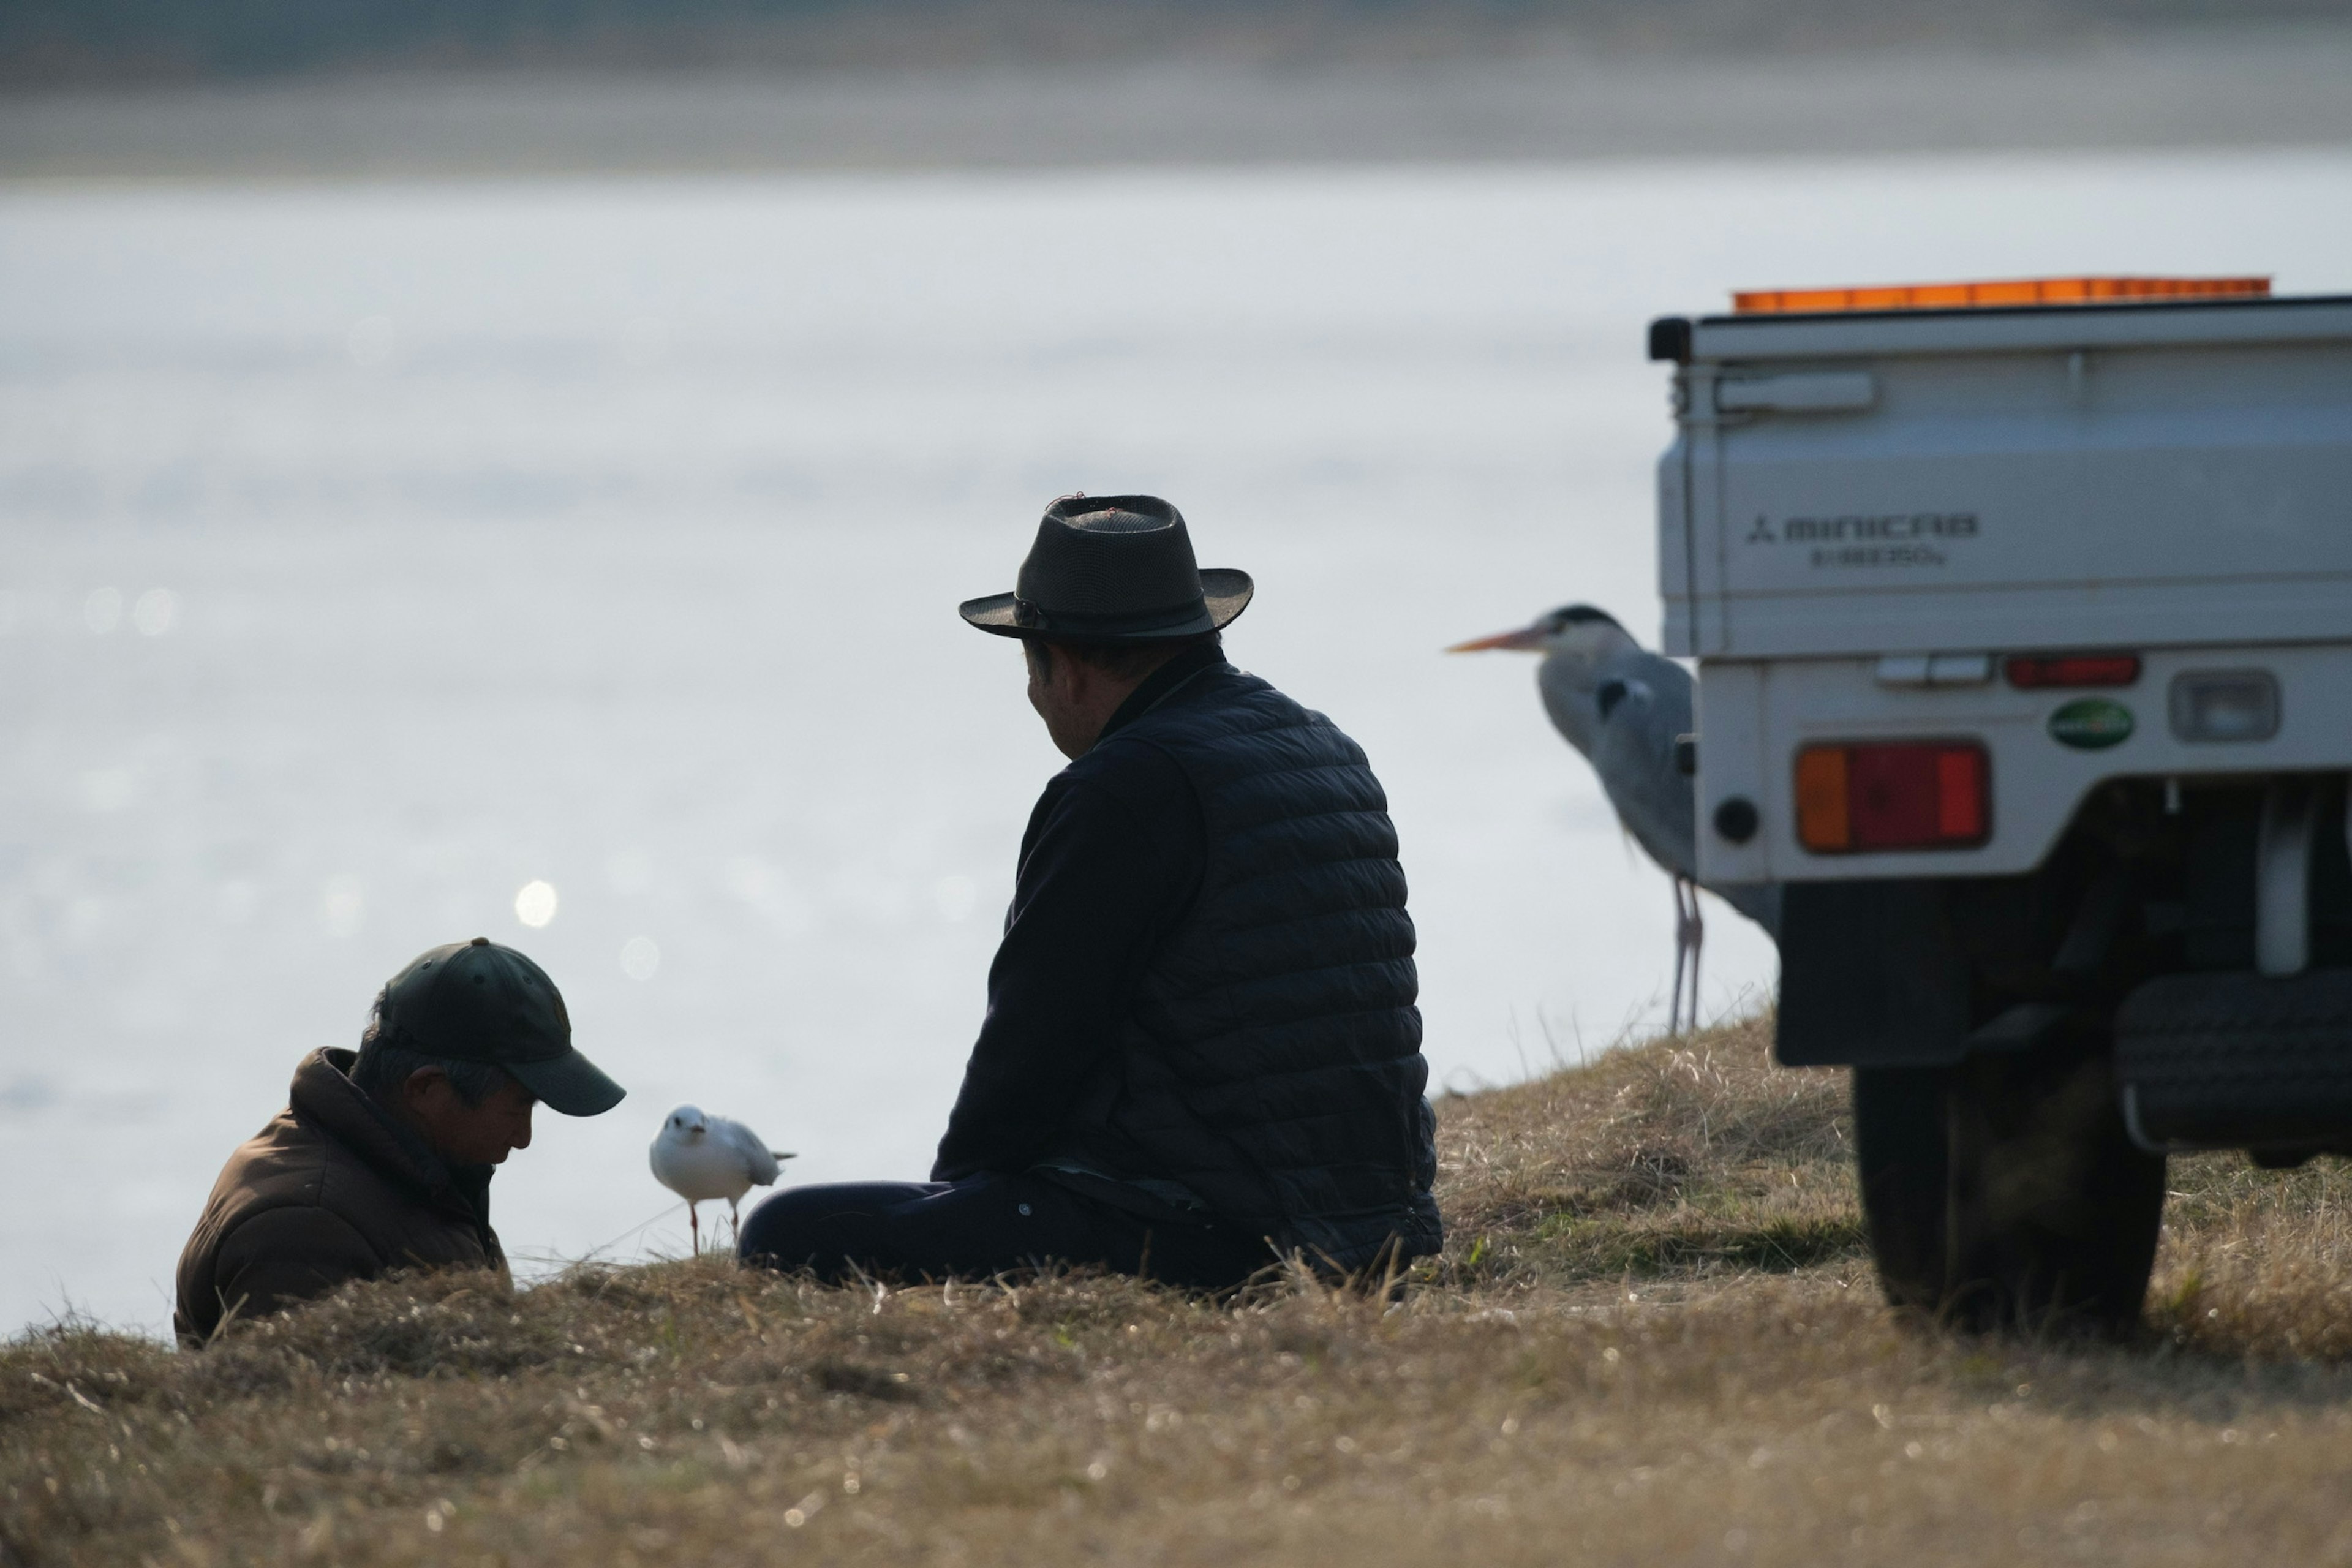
[(2004, 1191), (1903, 1161)]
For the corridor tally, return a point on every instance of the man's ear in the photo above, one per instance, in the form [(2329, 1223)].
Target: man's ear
[(424, 1085)]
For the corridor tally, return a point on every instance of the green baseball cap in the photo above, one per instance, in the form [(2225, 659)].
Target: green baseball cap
[(478, 1002)]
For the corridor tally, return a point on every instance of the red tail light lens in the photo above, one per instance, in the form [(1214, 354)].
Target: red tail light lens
[(1933, 795), (2031, 671)]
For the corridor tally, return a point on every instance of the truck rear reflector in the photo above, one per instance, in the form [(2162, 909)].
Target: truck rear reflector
[(1913, 795), (2030, 672), (2010, 291)]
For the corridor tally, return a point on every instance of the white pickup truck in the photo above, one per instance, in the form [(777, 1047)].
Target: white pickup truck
[(2023, 622)]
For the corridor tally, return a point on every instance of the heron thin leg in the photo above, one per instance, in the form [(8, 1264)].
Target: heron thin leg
[(1697, 942), (1682, 930), (1690, 933)]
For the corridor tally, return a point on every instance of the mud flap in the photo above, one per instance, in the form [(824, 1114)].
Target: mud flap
[(1872, 974)]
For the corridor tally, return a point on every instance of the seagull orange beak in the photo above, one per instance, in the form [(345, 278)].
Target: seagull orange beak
[(1526, 640)]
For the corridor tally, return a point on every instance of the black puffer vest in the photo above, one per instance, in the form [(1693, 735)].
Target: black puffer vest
[(1272, 1063)]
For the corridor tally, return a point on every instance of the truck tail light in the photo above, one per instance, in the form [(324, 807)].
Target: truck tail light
[(2033, 671), (1911, 795)]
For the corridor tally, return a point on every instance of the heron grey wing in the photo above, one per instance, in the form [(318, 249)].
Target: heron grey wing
[(1759, 901), (1649, 706)]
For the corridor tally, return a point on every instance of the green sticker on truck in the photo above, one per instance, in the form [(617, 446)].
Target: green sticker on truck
[(2091, 724)]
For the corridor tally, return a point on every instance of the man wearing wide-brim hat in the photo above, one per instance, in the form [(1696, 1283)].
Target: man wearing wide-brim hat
[(1201, 1052)]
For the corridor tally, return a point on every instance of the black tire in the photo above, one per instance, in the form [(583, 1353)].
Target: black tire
[(1901, 1158), (2005, 1193)]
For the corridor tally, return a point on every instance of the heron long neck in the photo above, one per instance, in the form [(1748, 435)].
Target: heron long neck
[(1577, 663), (1566, 681)]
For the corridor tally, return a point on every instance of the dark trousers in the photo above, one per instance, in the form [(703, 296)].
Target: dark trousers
[(985, 1225)]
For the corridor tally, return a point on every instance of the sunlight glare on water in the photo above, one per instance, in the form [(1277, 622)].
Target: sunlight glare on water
[(606, 536), (640, 958), (535, 904)]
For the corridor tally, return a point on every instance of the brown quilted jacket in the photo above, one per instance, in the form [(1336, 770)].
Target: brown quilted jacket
[(329, 1191)]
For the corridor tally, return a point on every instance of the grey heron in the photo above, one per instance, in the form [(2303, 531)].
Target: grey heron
[(1624, 708)]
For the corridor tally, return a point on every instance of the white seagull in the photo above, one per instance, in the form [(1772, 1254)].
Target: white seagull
[(698, 1156)]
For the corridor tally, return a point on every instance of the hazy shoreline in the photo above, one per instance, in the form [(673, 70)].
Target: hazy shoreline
[(2233, 90)]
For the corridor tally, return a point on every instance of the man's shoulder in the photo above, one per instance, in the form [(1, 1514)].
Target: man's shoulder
[(285, 1162), (267, 1208), (1240, 720), (1225, 721), (1219, 701), (1144, 749), (295, 1163), (1136, 776)]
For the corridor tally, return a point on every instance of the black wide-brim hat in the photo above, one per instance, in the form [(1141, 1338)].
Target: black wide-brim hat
[(1113, 569), (479, 1002)]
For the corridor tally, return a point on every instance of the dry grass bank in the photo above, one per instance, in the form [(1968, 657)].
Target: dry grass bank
[(1655, 1341)]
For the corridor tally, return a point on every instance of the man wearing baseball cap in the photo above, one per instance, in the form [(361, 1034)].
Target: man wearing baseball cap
[(383, 1157)]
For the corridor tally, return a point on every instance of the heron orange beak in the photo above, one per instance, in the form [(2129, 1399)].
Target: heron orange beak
[(1526, 640)]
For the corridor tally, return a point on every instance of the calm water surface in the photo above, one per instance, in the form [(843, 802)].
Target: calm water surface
[(369, 552)]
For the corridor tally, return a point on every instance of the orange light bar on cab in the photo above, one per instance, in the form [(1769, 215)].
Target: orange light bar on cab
[(2005, 292), (1907, 794)]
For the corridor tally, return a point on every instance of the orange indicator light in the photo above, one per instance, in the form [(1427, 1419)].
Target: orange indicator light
[(1823, 824)]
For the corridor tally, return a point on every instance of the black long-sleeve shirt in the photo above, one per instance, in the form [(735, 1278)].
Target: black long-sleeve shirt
[(1112, 859)]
